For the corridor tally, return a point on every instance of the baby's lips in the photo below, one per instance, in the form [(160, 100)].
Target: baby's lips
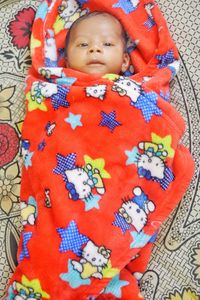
[(95, 61)]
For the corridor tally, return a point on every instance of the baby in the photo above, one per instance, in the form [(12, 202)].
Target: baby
[(96, 44)]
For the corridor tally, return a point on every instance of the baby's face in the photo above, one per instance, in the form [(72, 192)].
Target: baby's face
[(96, 46)]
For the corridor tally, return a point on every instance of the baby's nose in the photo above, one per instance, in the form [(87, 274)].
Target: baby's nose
[(95, 48)]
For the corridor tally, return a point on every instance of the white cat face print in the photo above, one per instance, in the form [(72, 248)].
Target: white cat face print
[(127, 87), (151, 159), (134, 211), (69, 11), (96, 91), (92, 261), (80, 181)]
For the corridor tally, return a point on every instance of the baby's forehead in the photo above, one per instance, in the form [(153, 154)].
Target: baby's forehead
[(91, 24)]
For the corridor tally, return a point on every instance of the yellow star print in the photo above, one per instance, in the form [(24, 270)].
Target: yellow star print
[(35, 285), (99, 164), (110, 272), (33, 104), (165, 141)]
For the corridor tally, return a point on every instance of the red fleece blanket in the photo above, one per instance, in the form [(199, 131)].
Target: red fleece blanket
[(103, 163)]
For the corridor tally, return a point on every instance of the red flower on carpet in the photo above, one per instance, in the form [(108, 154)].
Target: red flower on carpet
[(20, 28), (9, 144)]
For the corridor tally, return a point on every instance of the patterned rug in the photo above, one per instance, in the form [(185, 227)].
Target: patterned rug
[(174, 270)]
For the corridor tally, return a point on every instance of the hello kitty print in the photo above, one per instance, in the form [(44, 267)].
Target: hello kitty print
[(81, 181), (134, 211)]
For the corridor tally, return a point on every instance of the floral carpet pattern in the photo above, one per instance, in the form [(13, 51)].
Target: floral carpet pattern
[(174, 270)]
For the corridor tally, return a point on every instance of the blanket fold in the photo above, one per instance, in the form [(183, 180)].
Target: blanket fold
[(103, 163)]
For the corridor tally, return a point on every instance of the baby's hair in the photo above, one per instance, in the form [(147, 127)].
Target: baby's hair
[(87, 16)]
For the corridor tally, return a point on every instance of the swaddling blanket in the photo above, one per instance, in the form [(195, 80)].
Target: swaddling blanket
[(103, 166)]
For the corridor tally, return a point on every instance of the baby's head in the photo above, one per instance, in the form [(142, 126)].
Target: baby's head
[(96, 44)]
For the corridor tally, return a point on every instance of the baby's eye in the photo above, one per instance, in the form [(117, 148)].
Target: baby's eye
[(83, 45), (108, 44)]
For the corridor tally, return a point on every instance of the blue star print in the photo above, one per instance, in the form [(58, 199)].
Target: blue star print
[(72, 240), (165, 59), (109, 121), (59, 99), (153, 238), (42, 11), (115, 285), (26, 238), (27, 159), (174, 67), (165, 96), (92, 202), (147, 103), (81, 2), (132, 156), (11, 294), (127, 6), (74, 120), (66, 80), (65, 163), (149, 23), (168, 177), (121, 223), (73, 277), (139, 239)]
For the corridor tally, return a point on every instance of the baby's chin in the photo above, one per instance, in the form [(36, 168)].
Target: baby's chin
[(96, 69)]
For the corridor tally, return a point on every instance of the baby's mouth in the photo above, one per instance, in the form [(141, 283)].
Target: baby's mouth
[(95, 62)]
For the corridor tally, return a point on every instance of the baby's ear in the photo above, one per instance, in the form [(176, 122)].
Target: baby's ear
[(126, 62)]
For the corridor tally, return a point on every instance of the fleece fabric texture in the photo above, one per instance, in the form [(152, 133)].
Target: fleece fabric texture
[(103, 163)]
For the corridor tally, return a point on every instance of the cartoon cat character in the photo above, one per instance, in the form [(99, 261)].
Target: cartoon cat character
[(42, 90), (70, 11), (31, 296), (50, 49), (25, 293), (48, 72), (28, 213), (96, 91), (151, 161), (127, 87), (92, 262), (135, 211), (79, 183), (48, 89)]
